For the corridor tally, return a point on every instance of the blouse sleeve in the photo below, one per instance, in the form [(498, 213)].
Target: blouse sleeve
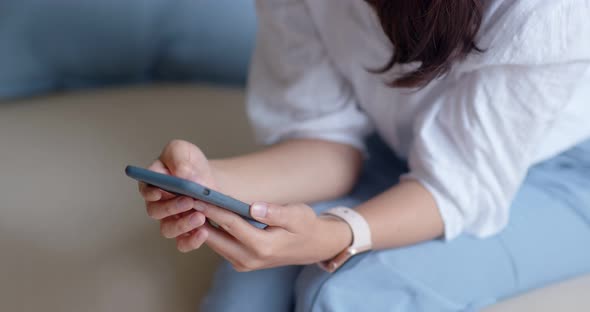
[(473, 150), (294, 90)]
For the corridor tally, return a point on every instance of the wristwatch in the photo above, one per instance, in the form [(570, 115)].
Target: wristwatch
[(361, 237)]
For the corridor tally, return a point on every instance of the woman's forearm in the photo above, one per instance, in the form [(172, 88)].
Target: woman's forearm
[(299, 170), (308, 171), (404, 215)]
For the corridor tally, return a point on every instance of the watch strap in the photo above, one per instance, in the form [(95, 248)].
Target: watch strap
[(361, 236)]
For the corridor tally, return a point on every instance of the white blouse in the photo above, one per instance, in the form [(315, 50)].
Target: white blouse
[(469, 136)]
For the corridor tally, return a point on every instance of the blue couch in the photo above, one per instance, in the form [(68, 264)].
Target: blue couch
[(63, 44)]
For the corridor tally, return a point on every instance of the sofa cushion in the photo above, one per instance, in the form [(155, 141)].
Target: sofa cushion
[(64, 44)]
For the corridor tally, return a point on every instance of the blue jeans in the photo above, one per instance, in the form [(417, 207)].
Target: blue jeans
[(547, 240)]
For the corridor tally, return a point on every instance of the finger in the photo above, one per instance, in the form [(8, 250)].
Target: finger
[(172, 227), (194, 240), (159, 167), (228, 247), (232, 223), (182, 215), (182, 159), (290, 217), (165, 208), (150, 193)]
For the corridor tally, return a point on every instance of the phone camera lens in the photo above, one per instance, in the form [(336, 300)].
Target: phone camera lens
[(206, 191)]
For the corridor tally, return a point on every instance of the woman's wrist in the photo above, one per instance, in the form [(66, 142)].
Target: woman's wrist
[(335, 234)]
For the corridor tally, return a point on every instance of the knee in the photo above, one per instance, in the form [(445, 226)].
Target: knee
[(365, 285)]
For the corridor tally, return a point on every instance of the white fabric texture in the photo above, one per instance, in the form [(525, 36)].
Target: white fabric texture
[(469, 136)]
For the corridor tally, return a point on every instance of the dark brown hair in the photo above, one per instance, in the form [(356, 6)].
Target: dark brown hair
[(435, 33)]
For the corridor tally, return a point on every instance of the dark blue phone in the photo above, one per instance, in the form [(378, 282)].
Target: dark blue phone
[(188, 188)]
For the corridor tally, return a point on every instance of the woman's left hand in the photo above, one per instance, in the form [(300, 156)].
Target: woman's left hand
[(295, 236)]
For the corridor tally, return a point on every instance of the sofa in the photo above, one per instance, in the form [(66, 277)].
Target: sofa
[(80, 44), (74, 235)]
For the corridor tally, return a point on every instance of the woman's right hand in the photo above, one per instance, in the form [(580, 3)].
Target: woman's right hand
[(178, 215)]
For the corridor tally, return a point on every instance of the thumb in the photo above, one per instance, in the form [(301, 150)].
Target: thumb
[(289, 217), (183, 159)]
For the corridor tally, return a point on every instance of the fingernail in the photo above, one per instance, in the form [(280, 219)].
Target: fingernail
[(153, 195), (184, 202), (259, 210), (195, 219), (199, 207)]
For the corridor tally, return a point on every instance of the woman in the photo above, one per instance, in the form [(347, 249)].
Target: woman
[(481, 107)]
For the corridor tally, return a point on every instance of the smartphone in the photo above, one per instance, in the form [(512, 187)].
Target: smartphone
[(191, 189)]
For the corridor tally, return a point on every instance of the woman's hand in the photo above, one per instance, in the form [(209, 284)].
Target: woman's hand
[(295, 235), (176, 214)]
